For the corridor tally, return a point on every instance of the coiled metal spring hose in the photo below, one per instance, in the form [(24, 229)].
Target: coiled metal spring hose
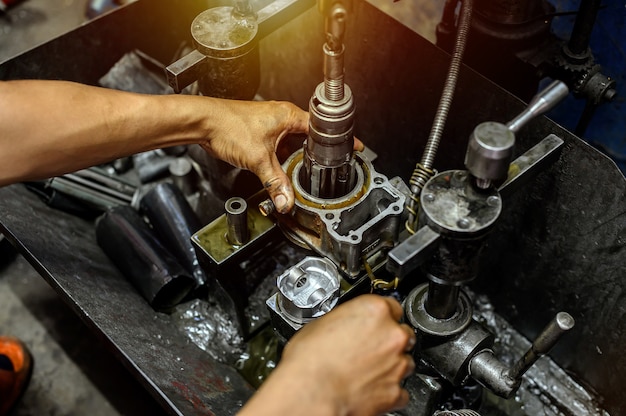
[(464, 412), (423, 170)]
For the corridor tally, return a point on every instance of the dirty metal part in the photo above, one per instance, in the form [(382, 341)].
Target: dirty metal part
[(346, 229), (490, 372), (419, 318), (412, 252), (456, 218), (329, 165), (531, 163), (415, 250), (237, 219), (96, 188), (151, 165), (309, 289), (213, 245), (267, 207), (452, 207), (489, 151), (485, 367), (541, 103), (450, 356), (559, 326), (490, 146), (226, 59)]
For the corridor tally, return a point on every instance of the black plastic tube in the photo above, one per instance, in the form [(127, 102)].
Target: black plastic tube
[(175, 222), (134, 248)]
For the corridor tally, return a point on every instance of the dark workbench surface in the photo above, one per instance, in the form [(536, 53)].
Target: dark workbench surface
[(63, 249)]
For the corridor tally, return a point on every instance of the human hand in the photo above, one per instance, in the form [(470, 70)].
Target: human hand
[(349, 362), (248, 135)]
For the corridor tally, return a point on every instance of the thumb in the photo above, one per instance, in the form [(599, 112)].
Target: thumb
[(277, 185)]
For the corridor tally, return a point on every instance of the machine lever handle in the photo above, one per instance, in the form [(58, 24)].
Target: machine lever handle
[(541, 103), (560, 324)]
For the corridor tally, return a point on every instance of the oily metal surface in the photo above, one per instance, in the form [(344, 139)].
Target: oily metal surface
[(561, 241)]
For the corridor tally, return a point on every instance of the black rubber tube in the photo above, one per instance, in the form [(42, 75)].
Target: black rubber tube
[(134, 248)]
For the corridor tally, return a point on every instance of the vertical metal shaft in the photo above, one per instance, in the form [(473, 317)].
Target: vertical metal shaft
[(237, 218), (583, 26)]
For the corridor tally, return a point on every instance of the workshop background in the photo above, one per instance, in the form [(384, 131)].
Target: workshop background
[(73, 374)]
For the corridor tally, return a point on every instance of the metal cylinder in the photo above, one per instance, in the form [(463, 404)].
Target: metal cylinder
[(237, 219), (175, 222), (134, 248), (489, 151), (442, 300), (183, 175), (558, 326), (328, 161), (232, 67), (578, 43)]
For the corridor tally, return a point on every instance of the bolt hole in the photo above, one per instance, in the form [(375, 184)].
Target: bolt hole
[(330, 216), (378, 180)]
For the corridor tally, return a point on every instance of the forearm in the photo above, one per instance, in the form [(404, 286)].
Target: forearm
[(51, 127)]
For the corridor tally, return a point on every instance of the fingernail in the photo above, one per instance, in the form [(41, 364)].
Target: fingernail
[(281, 202), (411, 343)]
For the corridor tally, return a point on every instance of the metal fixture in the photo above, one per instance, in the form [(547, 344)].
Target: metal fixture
[(344, 209), (329, 165), (458, 209), (226, 59), (96, 188), (524, 50), (345, 229), (237, 219)]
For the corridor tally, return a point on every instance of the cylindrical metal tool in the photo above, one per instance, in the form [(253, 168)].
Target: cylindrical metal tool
[(489, 152), (134, 248), (329, 166), (237, 219), (544, 342), (226, 59), (175, 222), (183, 175)]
